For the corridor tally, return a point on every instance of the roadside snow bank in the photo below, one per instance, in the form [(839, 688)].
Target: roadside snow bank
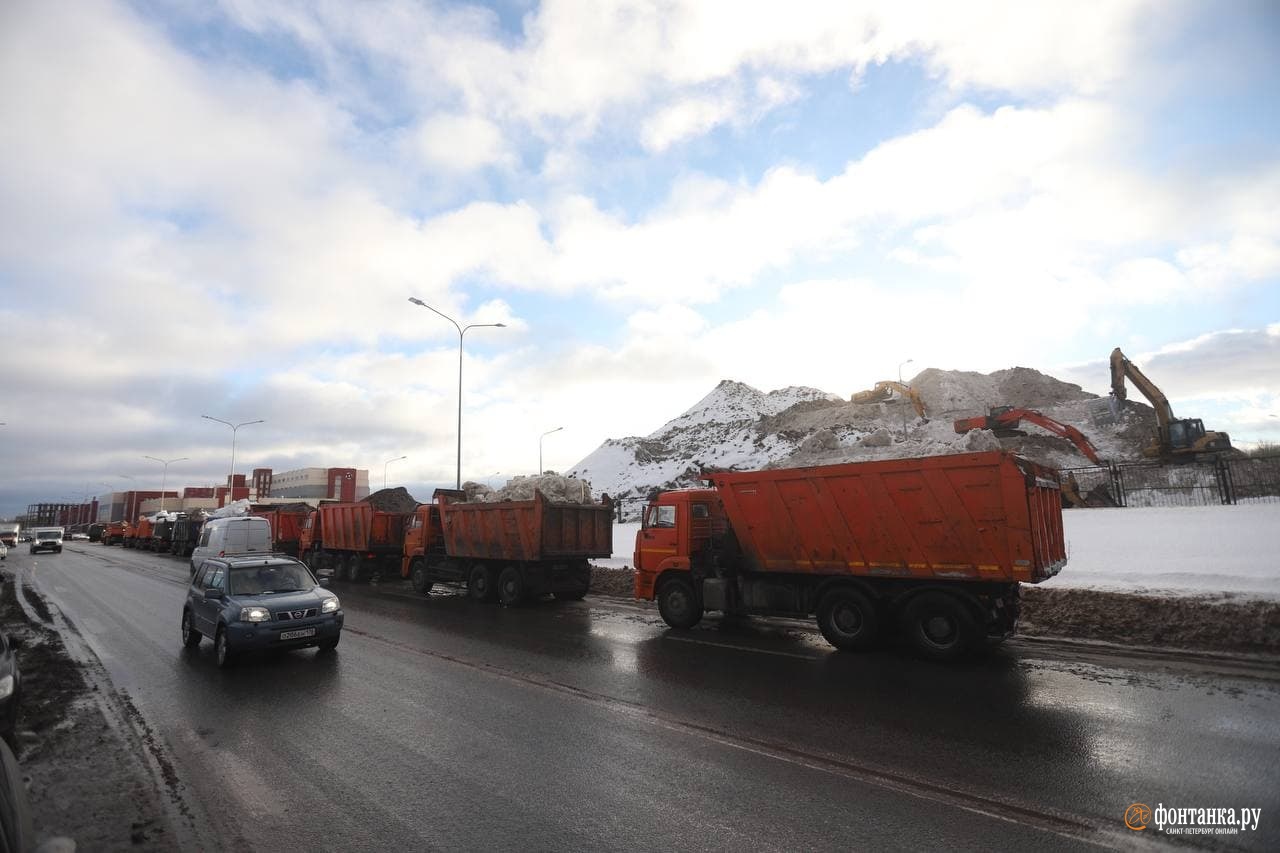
[(1174, 550)]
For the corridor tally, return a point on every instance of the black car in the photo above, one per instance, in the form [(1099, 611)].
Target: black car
[(10, 687), (256, 602)]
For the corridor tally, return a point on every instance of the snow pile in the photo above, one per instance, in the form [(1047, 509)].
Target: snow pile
[(740, 428), (554, 487)]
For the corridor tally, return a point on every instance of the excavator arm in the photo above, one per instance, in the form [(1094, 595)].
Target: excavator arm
[(1010, 419), (884, 390), (1122, 368)]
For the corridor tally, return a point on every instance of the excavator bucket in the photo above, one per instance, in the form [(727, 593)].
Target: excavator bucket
[(1102, 412)]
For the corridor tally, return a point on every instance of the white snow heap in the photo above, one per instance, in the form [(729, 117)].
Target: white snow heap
[(554, 487), (738, 427)]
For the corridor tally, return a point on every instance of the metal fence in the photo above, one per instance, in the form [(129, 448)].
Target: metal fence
[(1204, 483)]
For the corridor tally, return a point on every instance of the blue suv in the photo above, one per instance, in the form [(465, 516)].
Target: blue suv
[(257, 602)]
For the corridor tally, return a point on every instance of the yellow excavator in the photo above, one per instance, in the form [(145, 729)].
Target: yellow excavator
[(1175, 438), (884, 390)]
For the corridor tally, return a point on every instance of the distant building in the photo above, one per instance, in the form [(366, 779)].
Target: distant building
[(342, 484)]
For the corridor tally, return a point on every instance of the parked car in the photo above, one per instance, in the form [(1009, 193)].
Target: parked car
[(10, 687), (258, 602), (4, 551), (79, 537)]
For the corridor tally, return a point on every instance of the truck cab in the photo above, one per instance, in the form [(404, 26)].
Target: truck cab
[(675, 535)]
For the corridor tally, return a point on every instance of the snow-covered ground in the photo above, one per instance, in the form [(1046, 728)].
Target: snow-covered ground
[(1185, 550)]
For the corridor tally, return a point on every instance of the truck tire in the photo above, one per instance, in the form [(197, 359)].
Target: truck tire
[(939, 626), (481, 584), (355, 568), (677, 603), (418, 575), (847, 619), (510, 586)]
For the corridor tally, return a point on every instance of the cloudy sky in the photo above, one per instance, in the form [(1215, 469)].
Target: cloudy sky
[(223, 208)]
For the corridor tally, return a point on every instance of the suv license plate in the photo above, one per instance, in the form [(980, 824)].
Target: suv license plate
[(293, 635)]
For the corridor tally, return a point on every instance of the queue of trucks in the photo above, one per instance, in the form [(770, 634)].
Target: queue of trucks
[(933, 549)]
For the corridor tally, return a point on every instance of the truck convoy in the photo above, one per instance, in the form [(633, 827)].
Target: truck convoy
[(508, 551), (937, 545)]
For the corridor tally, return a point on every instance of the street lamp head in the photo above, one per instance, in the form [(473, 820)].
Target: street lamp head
[(416, 301)]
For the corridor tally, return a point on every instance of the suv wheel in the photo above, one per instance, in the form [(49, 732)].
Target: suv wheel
[(190, 636), (220, 650)]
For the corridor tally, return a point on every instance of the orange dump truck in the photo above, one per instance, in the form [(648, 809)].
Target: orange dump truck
[(352, 540), (114, 532), (138, 535), (934, 546), (509, 550), (286, 525)]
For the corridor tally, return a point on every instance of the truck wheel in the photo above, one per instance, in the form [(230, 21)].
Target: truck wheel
[(939, 626), (355, 568), (848, 620), (510, 586), (480, 583), (421, 583), (678, 605)]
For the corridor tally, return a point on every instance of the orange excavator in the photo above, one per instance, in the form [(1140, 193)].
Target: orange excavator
[(884, 390), (1005, 420), (1175, 438)]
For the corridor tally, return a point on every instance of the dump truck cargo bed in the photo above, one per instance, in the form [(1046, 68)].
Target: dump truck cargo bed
[(975, 516), (524, 531)]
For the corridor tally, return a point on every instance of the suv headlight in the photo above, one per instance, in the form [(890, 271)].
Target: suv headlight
[(329, 606), (254, 614)]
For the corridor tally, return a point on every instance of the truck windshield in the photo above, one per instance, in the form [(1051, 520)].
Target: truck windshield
[(661, 516)]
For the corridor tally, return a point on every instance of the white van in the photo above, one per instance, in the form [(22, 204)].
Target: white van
[(222, 537)]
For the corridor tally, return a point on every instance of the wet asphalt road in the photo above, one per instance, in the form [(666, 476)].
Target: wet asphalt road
[(443, 723)]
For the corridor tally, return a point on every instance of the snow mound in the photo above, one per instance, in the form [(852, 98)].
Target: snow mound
[(554, 487), (737, 427)]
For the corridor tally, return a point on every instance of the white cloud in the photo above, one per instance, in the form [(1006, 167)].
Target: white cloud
[(461, 143)]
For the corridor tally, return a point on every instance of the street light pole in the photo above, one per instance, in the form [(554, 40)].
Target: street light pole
[(231, 480), (384, 468), (544, 435), (462, 330), (904, 408), (164, 476)]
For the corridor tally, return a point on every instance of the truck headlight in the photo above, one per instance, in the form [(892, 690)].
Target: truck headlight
[(6, 687), (329, 606), (254, 614)]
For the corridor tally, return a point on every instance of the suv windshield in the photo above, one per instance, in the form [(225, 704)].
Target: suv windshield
[(261, 580)]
